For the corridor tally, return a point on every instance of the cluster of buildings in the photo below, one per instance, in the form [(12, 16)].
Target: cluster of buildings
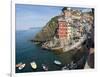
[(72, 25)]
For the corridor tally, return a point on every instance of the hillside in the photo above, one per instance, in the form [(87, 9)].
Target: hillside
[(47, 31)]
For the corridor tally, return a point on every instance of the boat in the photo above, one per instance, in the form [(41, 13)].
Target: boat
[(45, 67), (33, 65), (57, 62), (21, 66), (65, 68)]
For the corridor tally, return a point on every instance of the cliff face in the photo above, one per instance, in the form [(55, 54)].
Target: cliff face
[(47, 31)]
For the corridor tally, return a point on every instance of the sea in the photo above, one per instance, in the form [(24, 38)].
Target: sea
[(27, 51)]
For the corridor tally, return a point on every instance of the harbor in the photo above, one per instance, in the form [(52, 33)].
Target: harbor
[(27, 52), (64, 42), (46, 61)]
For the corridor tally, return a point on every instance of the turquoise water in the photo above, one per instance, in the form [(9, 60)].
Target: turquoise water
[(26, 52)]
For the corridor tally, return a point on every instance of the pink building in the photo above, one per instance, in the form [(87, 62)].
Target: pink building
[(62, 29)]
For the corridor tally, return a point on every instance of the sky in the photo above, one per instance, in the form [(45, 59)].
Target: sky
[(29, 16)]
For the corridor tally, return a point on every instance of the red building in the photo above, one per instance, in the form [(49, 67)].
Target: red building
[(62, 29), (63, 32)]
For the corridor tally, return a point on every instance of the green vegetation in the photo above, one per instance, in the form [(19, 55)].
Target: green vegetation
[(47, 32)]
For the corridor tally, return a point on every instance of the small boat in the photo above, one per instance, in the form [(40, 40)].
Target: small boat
[(45, 67), (21, 66), (65, 68), (33, 65), (57, 62), (73, 65)]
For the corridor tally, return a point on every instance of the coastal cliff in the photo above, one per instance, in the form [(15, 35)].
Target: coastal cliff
[(47, 32)]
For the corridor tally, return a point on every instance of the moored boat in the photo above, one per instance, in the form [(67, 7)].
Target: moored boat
[(33, 65), (21, 66), (57, 62), (65, 68), (45, 67)]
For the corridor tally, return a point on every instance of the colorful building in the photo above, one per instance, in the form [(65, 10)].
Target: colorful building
[(63, 32), (62, 29)]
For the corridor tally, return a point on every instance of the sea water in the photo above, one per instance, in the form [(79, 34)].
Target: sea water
[(27, 51)]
